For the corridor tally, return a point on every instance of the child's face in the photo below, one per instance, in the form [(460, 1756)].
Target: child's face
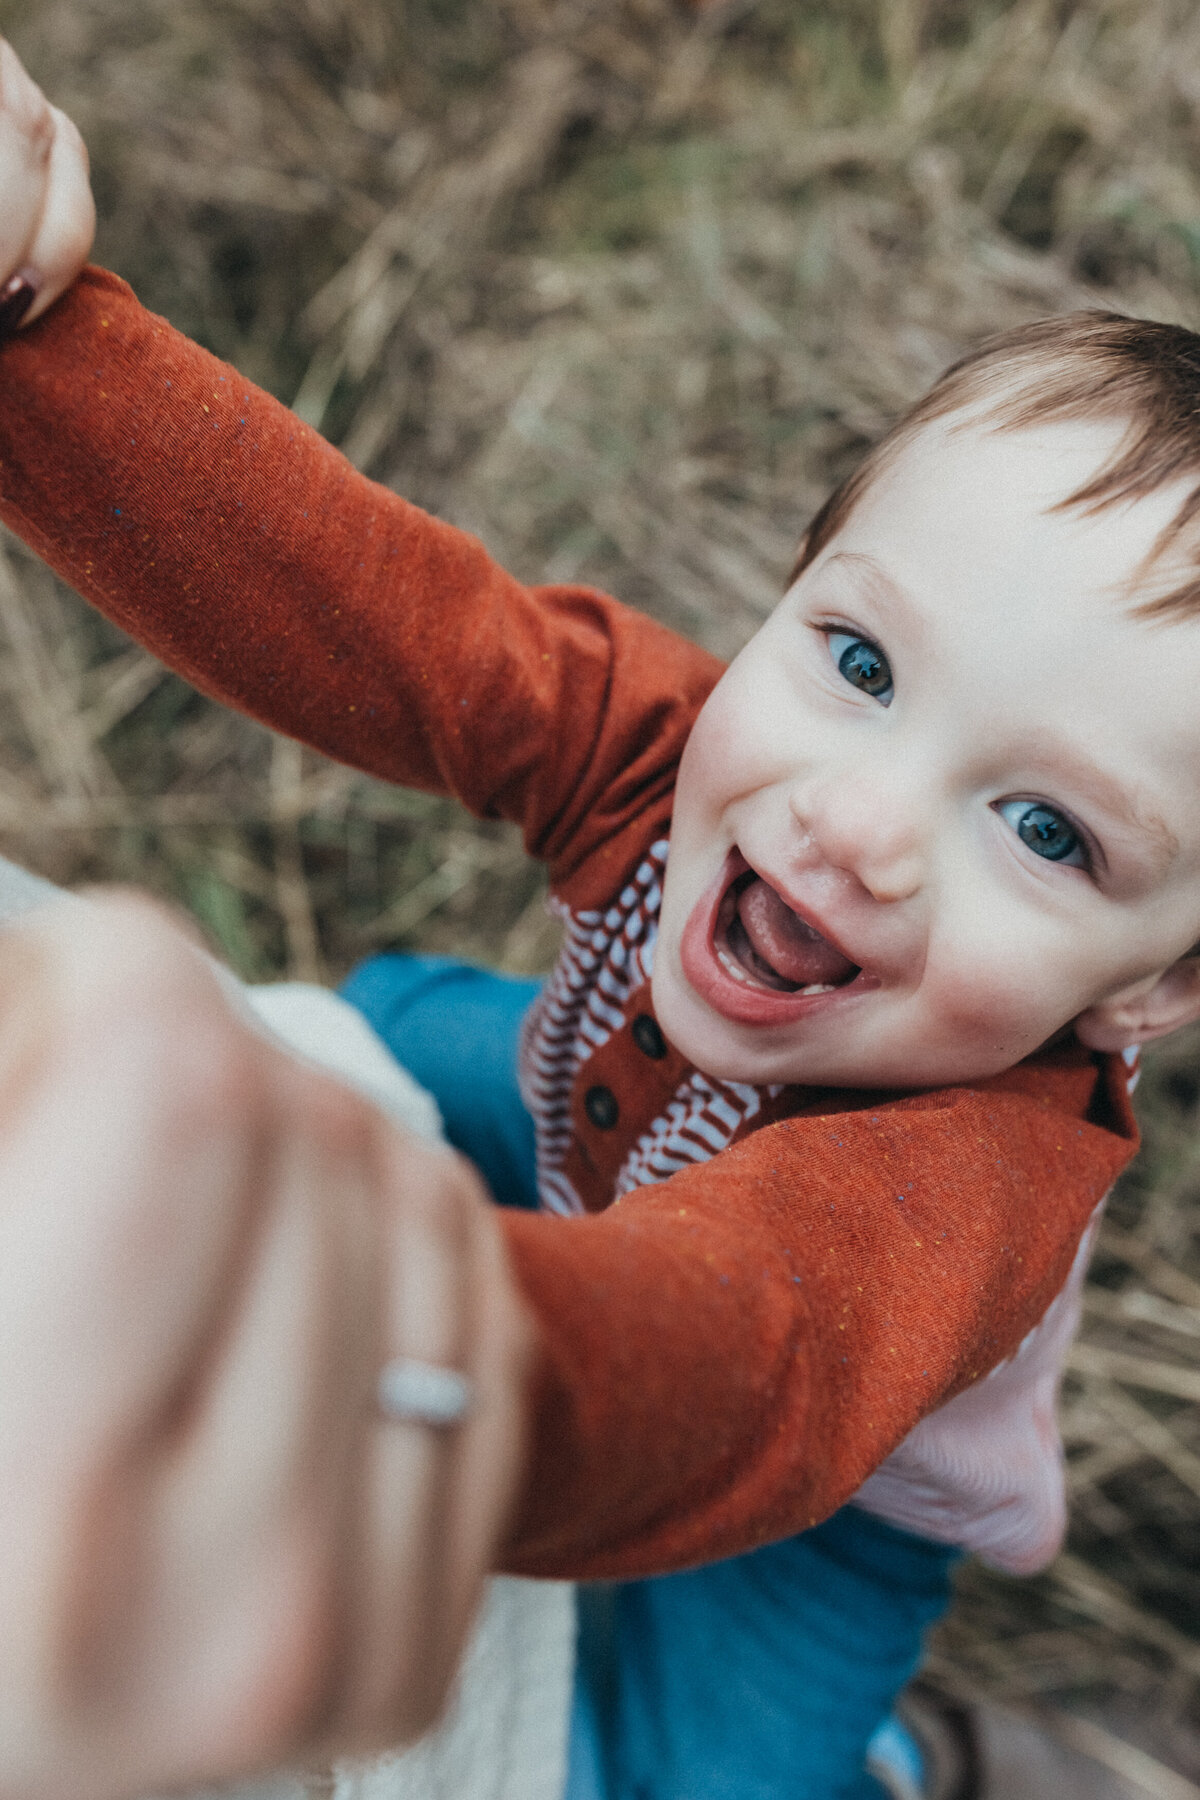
[(953, 784)]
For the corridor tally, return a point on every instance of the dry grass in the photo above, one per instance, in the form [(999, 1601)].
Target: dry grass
[(623, 288)]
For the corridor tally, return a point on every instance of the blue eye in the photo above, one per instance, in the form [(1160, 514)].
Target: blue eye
[(1047, 832), (862, 664)]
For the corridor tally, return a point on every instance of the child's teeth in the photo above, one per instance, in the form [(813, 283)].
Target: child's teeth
[(733, 968), (739, 974)]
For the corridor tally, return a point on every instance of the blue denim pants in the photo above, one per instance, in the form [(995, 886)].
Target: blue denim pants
[(764, 1677)]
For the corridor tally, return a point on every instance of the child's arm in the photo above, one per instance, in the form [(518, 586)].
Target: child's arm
[(207, 520), (230, 538), (725, 1356), (728, 1355)]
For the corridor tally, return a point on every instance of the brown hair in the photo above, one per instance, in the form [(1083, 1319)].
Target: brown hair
[(1082, 365)]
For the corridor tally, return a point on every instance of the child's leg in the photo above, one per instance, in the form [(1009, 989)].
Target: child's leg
[(455, 1027), (754, 1678), (768, 1674)]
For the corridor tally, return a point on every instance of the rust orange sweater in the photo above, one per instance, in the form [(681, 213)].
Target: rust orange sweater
[(726, 1354)]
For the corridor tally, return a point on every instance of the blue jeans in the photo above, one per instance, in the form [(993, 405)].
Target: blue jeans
[(760, 1678)]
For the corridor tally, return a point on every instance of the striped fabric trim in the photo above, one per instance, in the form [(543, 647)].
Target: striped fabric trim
[(605, 958), (702, 1119)]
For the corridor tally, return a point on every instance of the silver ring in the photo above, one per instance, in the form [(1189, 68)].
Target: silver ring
[(419, 1393)]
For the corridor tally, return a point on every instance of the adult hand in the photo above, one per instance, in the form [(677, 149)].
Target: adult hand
[(47, 215), (214, 1555)]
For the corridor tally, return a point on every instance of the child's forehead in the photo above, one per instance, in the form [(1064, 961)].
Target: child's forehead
[(963, 563), (964, 508), (1034, 468)]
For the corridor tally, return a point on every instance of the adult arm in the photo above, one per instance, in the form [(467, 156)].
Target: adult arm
[(215, 1557)]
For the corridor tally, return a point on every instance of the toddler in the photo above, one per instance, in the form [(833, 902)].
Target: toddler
[(826, 1083)]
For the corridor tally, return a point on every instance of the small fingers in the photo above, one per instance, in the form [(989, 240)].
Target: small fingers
[(63, 239), (24, 108), (47, 215), (27, 130)]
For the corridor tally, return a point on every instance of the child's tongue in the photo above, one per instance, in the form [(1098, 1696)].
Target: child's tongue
[(790, 947)]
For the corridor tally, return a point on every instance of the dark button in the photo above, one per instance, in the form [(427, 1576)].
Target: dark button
[(648, 1038), (600, 1105)]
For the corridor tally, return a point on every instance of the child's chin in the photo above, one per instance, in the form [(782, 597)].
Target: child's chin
[(692, 1028), (724, 1049)]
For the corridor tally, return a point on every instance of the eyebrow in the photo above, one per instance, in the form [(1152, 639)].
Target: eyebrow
[(1103, 790), (879, 578), (1110, 795)]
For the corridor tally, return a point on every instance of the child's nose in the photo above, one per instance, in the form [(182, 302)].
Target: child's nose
[(869, 827)]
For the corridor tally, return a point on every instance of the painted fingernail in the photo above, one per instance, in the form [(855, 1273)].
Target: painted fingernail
[(16, 297)]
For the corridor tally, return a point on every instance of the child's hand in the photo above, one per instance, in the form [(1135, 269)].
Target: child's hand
[(47, 216), (216, 1553)]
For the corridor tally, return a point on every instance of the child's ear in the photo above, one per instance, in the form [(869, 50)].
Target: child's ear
[(1147, 1010)]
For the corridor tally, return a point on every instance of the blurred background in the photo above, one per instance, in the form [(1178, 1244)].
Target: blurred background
[(623, 287)]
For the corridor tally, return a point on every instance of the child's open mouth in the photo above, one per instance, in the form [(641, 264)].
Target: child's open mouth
[(753, 958), (758, 938)]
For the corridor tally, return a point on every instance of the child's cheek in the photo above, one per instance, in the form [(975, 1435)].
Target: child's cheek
[(716, 764), (991, 1016)]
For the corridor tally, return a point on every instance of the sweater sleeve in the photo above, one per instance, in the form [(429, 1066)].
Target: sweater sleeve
[(727, 1355), (211, 524)]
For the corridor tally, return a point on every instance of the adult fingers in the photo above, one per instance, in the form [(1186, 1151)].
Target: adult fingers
[(437, 1498), (126, 1102), (492, 1447), (265, 1488), (399, 1661), (217, 1647), (123, 1085)]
